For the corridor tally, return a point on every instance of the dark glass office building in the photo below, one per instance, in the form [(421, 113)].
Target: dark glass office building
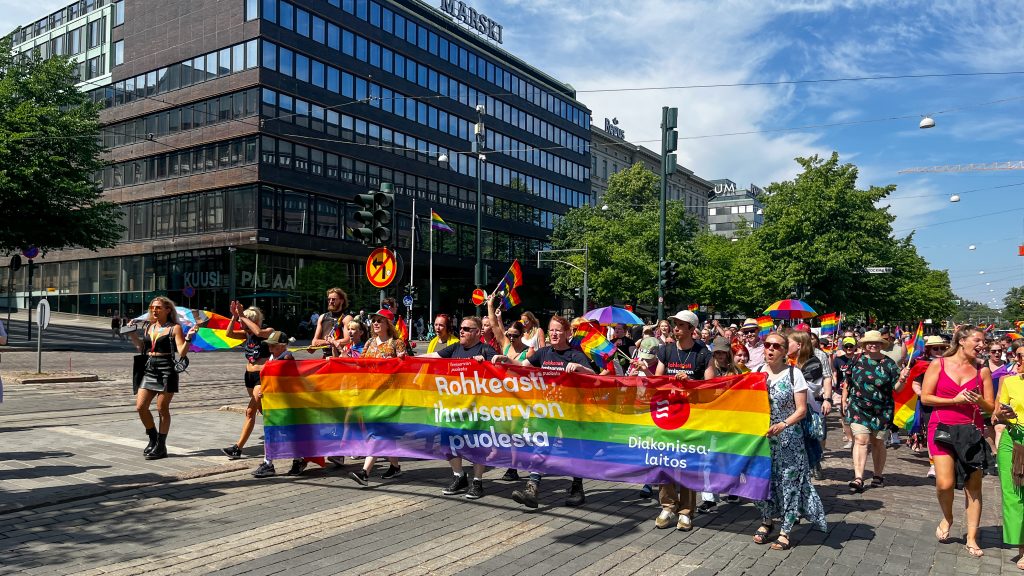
[(240, 131)]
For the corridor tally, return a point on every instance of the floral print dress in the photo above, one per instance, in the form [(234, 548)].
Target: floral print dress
[(871, 385), (791, 493)]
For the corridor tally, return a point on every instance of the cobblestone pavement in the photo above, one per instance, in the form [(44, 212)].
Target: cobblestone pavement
[(76, 497)]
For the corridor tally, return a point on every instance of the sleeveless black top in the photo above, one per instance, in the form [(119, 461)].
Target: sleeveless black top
[(164, 344), (255, 348)]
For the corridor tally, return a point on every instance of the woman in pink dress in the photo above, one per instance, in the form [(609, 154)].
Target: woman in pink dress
[(959, 391)]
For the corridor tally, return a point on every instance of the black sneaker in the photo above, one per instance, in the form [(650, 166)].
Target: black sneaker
[(265, 470), (298, 465), (476, 490), (576, 496), (706, 507), (233, 452), (392, 472), (511, 475), (732, 499), (458, 485), (338, 461), (360, 476)]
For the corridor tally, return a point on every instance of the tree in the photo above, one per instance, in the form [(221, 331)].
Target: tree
[(623, 243), (1013, 303), (970, 312), (49, 153)]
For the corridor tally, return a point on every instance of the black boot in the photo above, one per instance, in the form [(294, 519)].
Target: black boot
[(526, 497), (576, 496), (151, 432), (160, 451)]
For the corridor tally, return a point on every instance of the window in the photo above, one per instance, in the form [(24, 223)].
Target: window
[(75, 45), (118, 13), (118, 53), (251, 10), (94, 67), (95, 33)]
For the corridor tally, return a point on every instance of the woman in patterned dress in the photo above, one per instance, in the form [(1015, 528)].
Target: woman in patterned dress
[(867, 398), (792, 494)]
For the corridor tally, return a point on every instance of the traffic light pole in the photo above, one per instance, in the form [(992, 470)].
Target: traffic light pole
[(669, 143), (478, 148)]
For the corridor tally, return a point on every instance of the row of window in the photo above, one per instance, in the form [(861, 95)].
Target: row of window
[(199, 213), (66, 14), (73, 42), (216, 64), (310, 70), (723, 210), (360, 132), (181, 163), (196, 115), (363, 49), (299, 158)]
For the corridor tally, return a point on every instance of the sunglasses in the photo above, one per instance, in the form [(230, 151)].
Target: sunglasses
[(156, 307), (1021, 356), (512, 334), (749, 332), (995, 350), (467, 328), (849, 347), (773, 346)]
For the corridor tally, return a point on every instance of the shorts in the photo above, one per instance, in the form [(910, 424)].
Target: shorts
[(860, 429), (252, 379)]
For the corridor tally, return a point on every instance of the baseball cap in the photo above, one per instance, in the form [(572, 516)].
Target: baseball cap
[(802, 327), (848, 341), (647, 347), (278, 337), (384, 313), (687, 316)]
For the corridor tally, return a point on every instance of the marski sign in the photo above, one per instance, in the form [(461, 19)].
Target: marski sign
[(470, 17)]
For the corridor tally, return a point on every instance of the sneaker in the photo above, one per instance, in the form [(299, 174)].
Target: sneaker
[(458, 485), (684, 523), (894, 440), (666, 519), (647, 491), (732, 499), (576, 496), (817, 473), (392, 472), (706, 507), (265, 470), (298, 465), (848, 444), (338, 461), (233, 452), (511, 475), (360, 477), (931, 471), (527, 497), (476, 490)]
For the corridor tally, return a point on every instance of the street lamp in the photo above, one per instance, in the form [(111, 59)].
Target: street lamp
[(926, 122), (954, 198)]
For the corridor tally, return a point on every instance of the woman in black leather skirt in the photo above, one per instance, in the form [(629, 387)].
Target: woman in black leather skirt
[(162, 337)]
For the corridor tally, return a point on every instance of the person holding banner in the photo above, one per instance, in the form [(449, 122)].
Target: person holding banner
[(686, 359), (561, 357), (385, 343), (792, 494), (330, 326), (469, 346), (443, 328), (162, 338)]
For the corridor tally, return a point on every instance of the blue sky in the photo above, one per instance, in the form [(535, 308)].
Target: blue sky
[(599, 44)]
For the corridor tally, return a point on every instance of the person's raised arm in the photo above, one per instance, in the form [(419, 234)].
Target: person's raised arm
[(182, 340), (497, 326), (231, 332)]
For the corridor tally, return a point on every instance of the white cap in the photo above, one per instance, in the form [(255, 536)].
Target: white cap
[(687, 316)]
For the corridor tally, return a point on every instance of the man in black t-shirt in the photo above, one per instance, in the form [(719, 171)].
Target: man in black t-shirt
[(469, 346), (686, 359)]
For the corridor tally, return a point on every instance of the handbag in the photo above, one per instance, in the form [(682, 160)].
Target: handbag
[(814, 426), (943, 434), (139, 362), (1017, 467)]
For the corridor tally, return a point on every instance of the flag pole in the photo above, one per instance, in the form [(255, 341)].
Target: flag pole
[(430, 282), (412, 255)]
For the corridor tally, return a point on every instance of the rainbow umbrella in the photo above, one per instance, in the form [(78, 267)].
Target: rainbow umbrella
[(790, 309), (611, 315)]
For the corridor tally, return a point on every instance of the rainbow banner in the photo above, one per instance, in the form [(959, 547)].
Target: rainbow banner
[(764, 326), (707, 435)]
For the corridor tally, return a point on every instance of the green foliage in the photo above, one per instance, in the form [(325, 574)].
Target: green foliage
[(970, 312), (623, 242), (1013, 302), (49, 152)]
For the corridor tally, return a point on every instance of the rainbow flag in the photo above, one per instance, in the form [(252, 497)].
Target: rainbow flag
[(707, 435), (402, 329), (1020, 325), (212, 332), (436, 223), (510, 299), (693, 307), (508, 284), (915, 347), (905, 407), (829, 324), (764, 326), (594, 344)]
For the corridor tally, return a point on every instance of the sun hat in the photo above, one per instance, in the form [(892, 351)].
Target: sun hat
[(934, 341), (872, 337), (720, 344), (750, 323)]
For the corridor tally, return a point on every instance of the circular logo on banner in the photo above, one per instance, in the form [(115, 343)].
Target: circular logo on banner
[(670, 409), (380, 267), (479, 297)]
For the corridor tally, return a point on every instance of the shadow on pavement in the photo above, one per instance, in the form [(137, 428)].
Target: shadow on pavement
[(45, 472), (24, 456)]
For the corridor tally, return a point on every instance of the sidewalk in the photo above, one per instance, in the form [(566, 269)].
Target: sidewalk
[(76, 497)]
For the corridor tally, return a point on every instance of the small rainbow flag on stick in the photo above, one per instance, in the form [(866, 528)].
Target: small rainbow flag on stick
[(764, 326), (507, 287), (915, 347), (829, 323), (693, 307), (437, 223), (593, 344)]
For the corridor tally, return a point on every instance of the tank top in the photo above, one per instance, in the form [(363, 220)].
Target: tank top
[(162, 344), (946, 387), (255, 348), (519, 356), (531, 341)]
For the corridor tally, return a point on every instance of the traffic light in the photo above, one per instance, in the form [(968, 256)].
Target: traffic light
[(364, 233), (578, 292), (411, 291), (669, 138), (667, 273), (374, 216)]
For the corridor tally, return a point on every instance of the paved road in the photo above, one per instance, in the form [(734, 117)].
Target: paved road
[(76, 497)]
